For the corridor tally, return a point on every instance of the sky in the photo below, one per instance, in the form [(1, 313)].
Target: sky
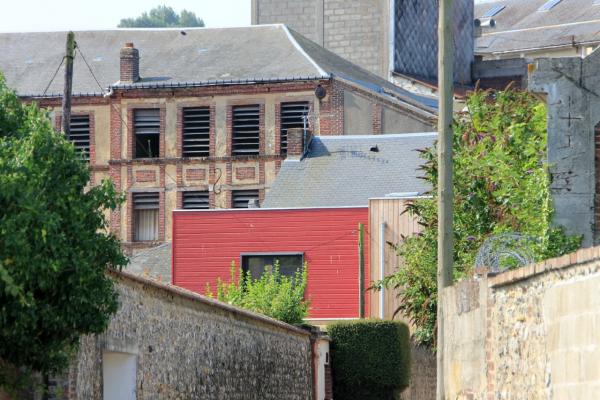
[(62, 15)]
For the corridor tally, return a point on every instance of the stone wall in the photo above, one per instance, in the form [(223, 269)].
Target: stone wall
[(190, 347), (527, 333)]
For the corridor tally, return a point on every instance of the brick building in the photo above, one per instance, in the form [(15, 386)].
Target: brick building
[(198, 118)]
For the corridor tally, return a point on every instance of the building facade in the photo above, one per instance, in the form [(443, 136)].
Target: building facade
[(199, 119)]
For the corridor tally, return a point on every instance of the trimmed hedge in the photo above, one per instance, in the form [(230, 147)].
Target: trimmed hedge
[(370, 359)]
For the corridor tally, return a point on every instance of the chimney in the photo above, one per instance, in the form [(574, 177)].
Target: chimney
[(296, 143), (130, 64)]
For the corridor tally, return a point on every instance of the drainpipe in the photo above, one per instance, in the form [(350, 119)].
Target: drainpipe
[(391, 39), (382, 269)]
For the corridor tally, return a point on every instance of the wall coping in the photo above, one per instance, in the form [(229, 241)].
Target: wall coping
[(195, 297), (574, 259)]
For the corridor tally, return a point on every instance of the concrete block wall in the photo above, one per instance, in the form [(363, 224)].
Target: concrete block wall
[(190, 347), (571, 87), (355, 30), (528, 332)]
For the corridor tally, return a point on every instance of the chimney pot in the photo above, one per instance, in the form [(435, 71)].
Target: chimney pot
[(130, 64), (296, 142)]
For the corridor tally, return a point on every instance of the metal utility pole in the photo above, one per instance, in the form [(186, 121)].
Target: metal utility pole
[(445, 193), (66, 100)]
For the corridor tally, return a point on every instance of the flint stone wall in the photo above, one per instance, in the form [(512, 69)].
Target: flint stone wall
[(530, 333), (190, 347)]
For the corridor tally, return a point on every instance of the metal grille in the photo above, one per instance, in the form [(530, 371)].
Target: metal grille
[(416, 42), (242, 197), (293, 115), (195, 200), (145, 201), (146, 126), (196, 132), (80, 134), (246, 130)]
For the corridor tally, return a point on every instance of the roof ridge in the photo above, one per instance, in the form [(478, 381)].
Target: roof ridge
[(302, 51)]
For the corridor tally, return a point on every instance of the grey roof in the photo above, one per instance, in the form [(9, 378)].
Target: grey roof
[(170, 58), (154, 262), (520, 27), (343, 171)]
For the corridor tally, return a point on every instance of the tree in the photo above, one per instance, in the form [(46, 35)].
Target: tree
[(54, 245), (501, 185), (163, 17)]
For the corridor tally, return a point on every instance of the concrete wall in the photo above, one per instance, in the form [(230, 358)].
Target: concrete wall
[(530, 331), (357, 30), (572, 90), (190, 347)]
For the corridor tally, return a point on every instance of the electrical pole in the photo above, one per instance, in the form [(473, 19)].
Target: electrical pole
[(66, 100), (445, 192)]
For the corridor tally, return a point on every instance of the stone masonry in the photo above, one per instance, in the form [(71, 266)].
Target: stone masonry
[(191, 347), (529, 333)]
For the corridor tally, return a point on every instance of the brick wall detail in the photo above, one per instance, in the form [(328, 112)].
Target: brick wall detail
[(245, 173)]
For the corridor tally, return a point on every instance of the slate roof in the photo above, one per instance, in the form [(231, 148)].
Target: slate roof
[(343, 171), (154, 263), (181, 57), (520, 27)]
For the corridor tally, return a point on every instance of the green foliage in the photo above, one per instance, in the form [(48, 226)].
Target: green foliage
[(370, 359), (273, 294), (54, 249), (163, 17), (501, 185)]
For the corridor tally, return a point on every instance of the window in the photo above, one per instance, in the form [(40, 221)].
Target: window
[(195, 200), (146, 128), (256, 264), (196, 132), (246, 130), (493, 11), (80, 134), (549, 5), (241, 198), (145, 216), (293, 115)]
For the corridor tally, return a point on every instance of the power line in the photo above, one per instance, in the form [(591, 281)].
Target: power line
[(54, 76)]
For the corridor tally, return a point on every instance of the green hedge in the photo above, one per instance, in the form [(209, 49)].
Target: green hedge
[(370, 359)]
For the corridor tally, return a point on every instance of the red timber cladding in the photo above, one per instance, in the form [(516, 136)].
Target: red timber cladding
[(205, 243)]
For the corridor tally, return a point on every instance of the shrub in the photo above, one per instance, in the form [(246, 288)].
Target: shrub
[(370, 359), (273, 294), (501, 185)]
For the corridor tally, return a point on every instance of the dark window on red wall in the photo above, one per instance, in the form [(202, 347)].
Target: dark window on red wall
[(146, 130), (257, 264), (292, 115), (241, 198), (145, 216), (195, 200), (245, 130), (196, 132)]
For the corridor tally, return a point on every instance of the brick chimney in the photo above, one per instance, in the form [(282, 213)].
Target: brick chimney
[(130, 64), (295, 143)]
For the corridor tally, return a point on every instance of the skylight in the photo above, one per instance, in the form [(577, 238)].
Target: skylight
[(494, 10), (548, 5)]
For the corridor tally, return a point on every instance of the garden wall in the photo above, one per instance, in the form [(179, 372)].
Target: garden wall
[(527, 333), (187, 346)]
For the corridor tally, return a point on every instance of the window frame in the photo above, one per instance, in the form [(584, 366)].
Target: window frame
[(260, 129), (188, 192), (233, 193), (182, 119), (244, 256), (282, 104), (134, 217), (134, 134)]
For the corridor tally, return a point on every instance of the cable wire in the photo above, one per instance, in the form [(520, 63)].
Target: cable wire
[(54, 76)]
